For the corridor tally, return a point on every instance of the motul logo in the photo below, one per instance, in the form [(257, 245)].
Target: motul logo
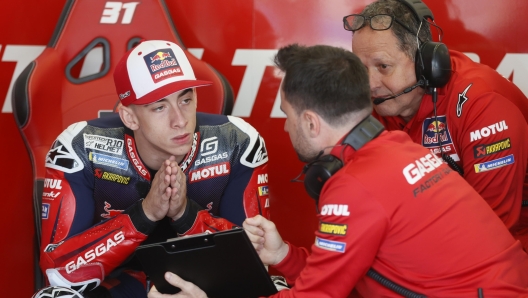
[(488, 130), (262, 178), (210, 172), (52, 183), (333, 209)]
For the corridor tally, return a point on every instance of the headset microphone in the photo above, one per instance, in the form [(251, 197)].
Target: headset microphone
[(380, 100)]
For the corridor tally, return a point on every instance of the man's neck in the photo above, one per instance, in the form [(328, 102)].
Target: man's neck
[(152, 156)]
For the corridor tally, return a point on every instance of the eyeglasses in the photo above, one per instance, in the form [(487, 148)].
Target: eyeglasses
[(377, 22)]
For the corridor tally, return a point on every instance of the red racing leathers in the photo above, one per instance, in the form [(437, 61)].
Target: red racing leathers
[(92, 219), (482, 125), (398, 209)]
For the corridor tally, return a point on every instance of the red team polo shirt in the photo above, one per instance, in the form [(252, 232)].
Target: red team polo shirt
[(482, 126), (396, 208)]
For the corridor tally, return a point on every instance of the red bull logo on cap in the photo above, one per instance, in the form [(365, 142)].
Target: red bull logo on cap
[(435, 131), (162, 65)]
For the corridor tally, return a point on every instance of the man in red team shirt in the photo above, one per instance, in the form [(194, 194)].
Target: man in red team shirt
[(392, 211), (480, 119)]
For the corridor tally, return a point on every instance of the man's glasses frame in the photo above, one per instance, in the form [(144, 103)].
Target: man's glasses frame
[(347, 22)]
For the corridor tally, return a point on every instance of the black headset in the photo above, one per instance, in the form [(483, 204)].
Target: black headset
[(432, 61), (323, 167), (432, 66)]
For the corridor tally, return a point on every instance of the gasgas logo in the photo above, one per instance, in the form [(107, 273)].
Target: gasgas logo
[(98, 251), (132, 154), (162, 65)]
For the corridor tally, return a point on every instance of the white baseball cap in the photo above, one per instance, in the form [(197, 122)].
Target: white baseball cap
[(153, 70)]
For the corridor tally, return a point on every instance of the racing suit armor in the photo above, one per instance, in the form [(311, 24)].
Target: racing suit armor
[(482, 125), (92, 219)]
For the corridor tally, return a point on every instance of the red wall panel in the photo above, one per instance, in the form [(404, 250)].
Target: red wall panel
[(238, 38)]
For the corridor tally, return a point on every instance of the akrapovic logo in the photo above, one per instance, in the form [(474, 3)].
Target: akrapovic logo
[(98, 251)]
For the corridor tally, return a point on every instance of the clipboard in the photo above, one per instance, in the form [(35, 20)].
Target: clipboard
[(223, 264)]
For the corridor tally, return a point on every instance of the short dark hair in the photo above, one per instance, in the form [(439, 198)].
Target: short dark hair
[(404, 14), (328, 80)]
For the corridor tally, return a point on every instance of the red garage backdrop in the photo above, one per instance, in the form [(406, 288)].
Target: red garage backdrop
[(239, 39)]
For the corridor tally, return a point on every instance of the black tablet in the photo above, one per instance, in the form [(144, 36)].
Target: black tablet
[(223, 264)]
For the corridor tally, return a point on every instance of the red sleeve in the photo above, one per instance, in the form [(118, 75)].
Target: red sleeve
[(294, 262), (83, 259), (493, 138), (350, 233)]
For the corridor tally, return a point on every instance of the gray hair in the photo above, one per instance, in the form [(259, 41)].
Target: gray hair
[(400, 11)]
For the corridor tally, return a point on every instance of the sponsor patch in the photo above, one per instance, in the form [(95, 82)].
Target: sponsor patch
[(217, 170), (494, 164), (105, 144), (334, 209), (45, 210), (111, 161), (162, 65), (416, 170), (487, 131), (263, 190), (333, 229), (134, 157), (432, 130), (52, 183), (330, 245), (111, 177), (50, 195), (262, 178), (488, 149), (110, 212)]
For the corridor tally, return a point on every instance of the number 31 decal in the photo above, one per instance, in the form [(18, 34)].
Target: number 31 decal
[(113, 10)]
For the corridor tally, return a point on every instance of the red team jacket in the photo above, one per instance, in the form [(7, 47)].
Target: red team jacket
[(482, 124), (398, 209), (92, 219)]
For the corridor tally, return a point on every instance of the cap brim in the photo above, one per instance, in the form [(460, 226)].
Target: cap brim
[(169, 89)]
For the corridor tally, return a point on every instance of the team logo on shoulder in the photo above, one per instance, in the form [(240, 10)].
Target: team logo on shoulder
[(330, 245), (494, 164), (60, 158), (488, 149)]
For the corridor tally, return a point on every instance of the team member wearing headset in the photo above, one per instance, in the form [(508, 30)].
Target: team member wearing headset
[(477, 117), (374, 219)]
